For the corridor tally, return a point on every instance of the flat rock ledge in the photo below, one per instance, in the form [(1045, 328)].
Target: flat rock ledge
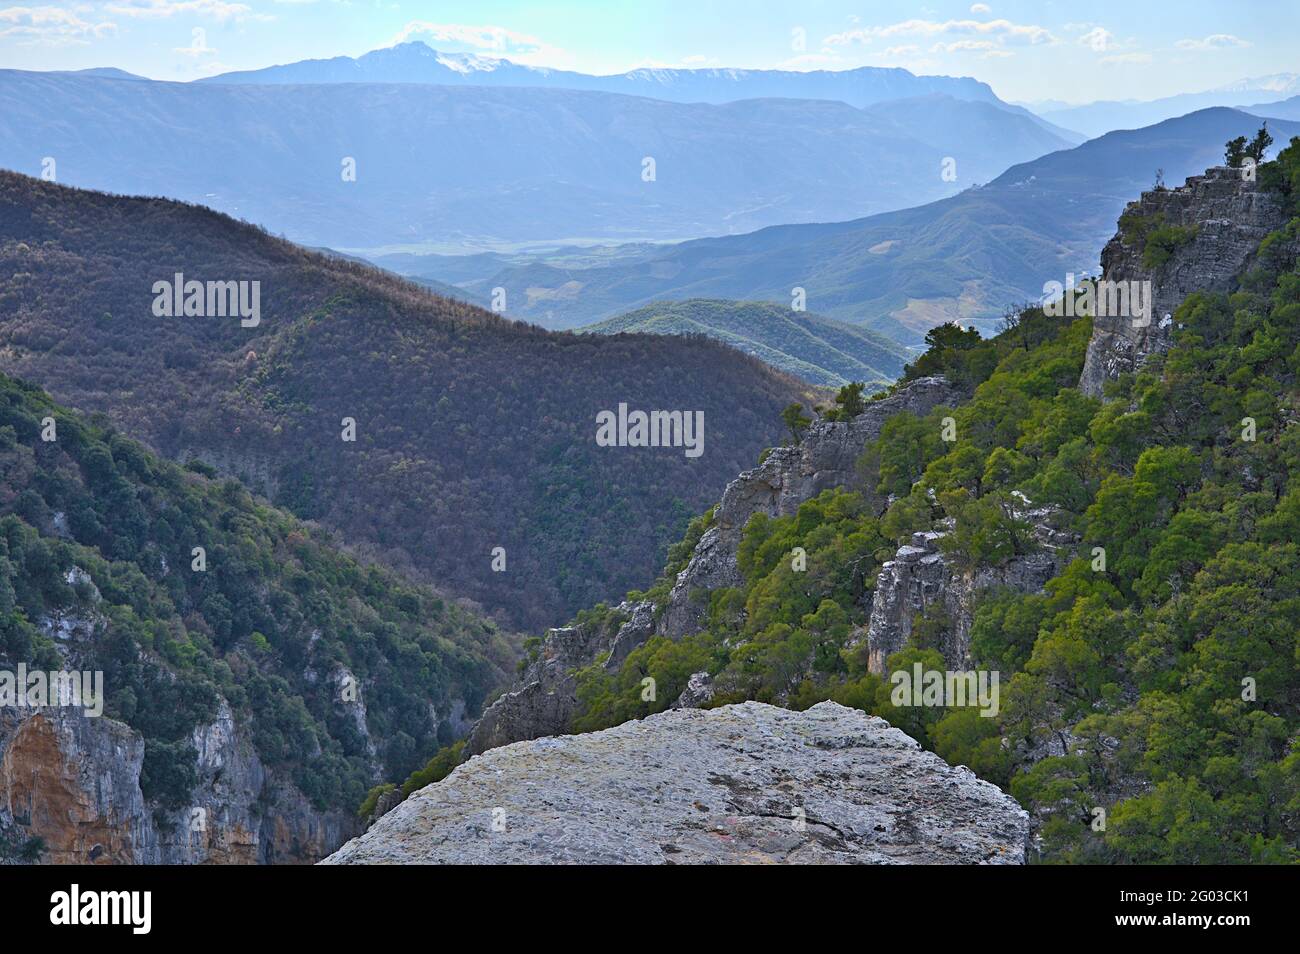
[(740, 784)]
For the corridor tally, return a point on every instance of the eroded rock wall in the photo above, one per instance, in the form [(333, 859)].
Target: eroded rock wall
[(923, 579), (826, 458), (1231, 216), (74, 782)]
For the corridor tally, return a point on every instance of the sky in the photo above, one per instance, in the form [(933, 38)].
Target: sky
[(1075, 52)]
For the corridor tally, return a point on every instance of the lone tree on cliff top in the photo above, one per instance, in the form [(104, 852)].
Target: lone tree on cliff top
[(1238, 150)]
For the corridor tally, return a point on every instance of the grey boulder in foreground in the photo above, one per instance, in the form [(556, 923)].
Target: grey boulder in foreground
[(740, 784)]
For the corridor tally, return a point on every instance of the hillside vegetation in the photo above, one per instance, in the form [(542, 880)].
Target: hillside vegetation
[(819, 350), (471, 432), (1156, 677), (99, 538)]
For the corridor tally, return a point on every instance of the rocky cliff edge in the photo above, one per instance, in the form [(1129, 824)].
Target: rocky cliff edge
[(1227, 216), (741, 784)]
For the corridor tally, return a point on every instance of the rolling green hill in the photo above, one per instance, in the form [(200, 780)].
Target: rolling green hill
[(819, 350)]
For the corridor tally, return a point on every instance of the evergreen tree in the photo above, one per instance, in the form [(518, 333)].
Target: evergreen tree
[(1235, 151), (1259, 145), (796, 421)]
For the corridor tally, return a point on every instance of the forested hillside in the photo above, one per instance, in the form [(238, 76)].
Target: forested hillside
[(1150, 691), (191, 596), (471, 432), (819, 350)]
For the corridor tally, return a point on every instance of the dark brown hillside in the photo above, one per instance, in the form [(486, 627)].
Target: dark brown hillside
[(471, 432)]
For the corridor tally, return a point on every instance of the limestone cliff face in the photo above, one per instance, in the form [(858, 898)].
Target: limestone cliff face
[(74, 782), (921, 579), (543, 701), (826, 458), (740, 784), (1231, 216)]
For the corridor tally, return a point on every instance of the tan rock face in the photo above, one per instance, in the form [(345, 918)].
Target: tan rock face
[(44, 785), (742, 784), (74, 782), (233, 846)]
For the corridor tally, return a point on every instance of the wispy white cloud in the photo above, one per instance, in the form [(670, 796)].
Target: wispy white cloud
[(1117, 51), (1001, 32), (980, 8), (161, 9), (1215, 41), (51, 26), (1098, 39)]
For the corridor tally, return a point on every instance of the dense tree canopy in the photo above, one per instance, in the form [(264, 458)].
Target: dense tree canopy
[(471, 432), (269, 616)]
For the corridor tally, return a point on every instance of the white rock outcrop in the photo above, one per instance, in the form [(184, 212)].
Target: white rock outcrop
[(740, 784)]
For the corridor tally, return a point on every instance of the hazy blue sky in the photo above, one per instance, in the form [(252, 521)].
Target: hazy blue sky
[(1077, 51)]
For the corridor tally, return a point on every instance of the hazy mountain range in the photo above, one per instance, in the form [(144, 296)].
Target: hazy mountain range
[(454, 153), (391, 165), (1283, 109), (1095, 119), (417, 62), (963, 258)]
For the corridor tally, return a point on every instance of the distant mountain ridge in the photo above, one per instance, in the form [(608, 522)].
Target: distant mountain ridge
[(1095, 119), (1283, 109), (819, 350), (965, 258), (366, 166), (417, 62), (105, 72), (1286, 84)]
